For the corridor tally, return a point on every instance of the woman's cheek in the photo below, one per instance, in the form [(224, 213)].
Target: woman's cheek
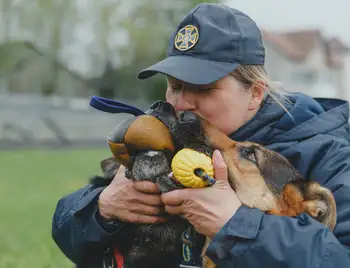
[(223, 121), (170, 97), (209, 112)]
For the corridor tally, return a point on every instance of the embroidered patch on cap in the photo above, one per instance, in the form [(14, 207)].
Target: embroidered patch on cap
[(186, 38)]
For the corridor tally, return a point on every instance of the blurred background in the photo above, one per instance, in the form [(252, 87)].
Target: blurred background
[(54, 55)]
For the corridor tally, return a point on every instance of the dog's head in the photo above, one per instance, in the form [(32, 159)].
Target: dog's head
[(151, 131)]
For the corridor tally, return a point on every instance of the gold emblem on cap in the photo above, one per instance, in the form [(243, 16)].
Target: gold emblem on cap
[(186, 37)]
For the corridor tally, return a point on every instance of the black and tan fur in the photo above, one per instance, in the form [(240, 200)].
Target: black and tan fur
[(261, 178), (265, 180)]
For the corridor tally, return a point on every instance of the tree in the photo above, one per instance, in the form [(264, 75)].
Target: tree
[(149, 25), (124, 36)]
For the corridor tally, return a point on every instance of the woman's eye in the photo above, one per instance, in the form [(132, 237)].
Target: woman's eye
[(203, 90), (176, 87)]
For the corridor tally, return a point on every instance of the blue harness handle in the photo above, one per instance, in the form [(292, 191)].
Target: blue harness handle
[(113, 107)]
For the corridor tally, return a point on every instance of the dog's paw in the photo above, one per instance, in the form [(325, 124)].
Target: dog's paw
[(311, 198), (316, 208), (319, 203)]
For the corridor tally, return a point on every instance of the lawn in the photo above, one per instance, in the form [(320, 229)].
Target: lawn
[(31, 182)]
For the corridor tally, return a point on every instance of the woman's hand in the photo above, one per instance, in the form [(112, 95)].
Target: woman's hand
[(207, 209), (128, 201)]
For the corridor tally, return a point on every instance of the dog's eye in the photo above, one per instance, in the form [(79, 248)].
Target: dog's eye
[(249, 154)]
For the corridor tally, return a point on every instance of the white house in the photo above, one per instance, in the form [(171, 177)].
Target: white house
[(306, 61)]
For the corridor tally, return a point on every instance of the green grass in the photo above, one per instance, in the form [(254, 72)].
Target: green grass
[(31, 182)]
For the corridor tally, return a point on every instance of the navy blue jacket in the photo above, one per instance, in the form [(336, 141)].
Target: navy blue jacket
[(315, 140)]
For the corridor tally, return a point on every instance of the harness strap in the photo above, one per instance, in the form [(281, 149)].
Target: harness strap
[(114, 107), (118, 258)]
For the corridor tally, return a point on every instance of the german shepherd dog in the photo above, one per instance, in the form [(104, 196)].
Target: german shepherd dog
[(260, 177)]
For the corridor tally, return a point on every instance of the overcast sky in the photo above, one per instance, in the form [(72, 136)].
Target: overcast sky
[(333, 17)]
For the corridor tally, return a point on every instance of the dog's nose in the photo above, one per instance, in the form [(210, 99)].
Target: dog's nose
[(162, 107), (189, 125), (187, 117)]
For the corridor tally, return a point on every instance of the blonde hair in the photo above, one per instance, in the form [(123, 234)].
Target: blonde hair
[(249, 75)]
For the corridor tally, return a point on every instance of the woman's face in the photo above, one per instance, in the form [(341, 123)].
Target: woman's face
[(224, 103)]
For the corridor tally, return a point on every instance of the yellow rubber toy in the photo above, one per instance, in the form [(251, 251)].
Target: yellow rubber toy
[(187, 163)]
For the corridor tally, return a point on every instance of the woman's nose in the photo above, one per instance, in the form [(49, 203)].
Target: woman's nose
[(185, 101)]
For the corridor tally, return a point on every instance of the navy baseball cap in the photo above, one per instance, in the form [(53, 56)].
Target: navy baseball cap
[(209, 43)]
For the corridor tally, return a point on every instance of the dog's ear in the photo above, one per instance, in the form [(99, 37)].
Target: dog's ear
[(109, 167)]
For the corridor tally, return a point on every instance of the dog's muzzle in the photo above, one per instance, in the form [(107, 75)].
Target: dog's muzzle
[(190, 128)]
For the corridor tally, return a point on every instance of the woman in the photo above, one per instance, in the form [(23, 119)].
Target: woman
[(215, 67)]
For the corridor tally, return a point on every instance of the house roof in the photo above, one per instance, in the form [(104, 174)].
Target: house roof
[(283, 45), (297, 45)]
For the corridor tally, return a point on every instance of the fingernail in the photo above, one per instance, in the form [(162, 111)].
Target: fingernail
[(217, 156), (218, 159)]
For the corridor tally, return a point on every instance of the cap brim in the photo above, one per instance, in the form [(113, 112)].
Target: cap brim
[(190, 70)]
